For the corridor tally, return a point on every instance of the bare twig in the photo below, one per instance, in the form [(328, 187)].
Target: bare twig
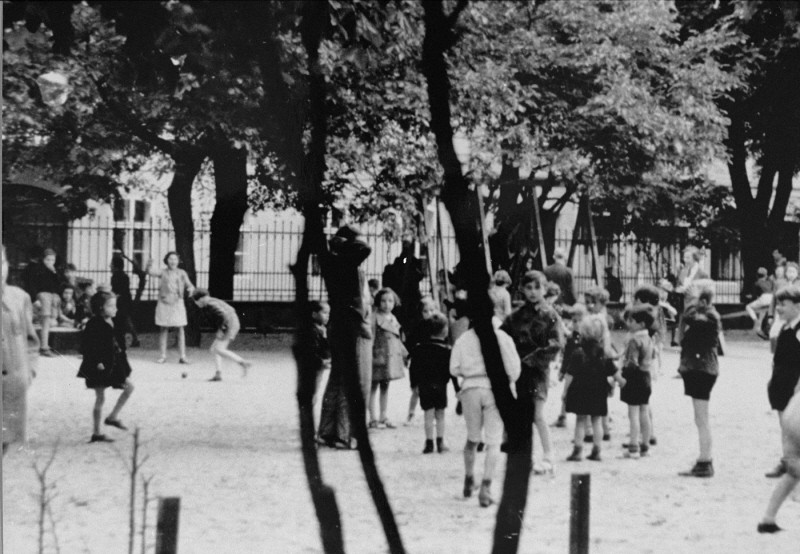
[(45, 497), (145, 502)]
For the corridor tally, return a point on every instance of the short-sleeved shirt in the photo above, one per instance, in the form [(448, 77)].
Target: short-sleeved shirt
[(221, 314)]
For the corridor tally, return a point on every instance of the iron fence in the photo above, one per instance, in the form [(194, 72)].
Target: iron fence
[(268, 246)]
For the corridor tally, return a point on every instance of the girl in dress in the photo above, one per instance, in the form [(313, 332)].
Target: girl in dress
[(20, 350), (388, 354), (104, 362), (170, 309), (586, 386)]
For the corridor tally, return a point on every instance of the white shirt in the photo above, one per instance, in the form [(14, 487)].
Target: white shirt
[(466, 359)]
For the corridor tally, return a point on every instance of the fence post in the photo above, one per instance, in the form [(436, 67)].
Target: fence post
[(579, 513), (167, 525)]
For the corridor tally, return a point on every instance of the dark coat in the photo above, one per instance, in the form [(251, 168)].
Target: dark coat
[(102, 344)]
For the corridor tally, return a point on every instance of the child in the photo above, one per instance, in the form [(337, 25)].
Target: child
[(121, 286), (790, 276), (429, 372), (170, 309), (551, 295), (480, 411), (427, 307), (596, 299), (388, 354), (501, 281), (699, 368), (790, 432), (320, 315), (83, 308), (69, 309), (576, 313), (586, 386), (637, 364), (227, 325), (47, 287), (537, 332), (104, 362), (785, 369), (650, 295)]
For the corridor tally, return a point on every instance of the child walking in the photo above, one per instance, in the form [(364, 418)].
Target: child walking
[(226, 323), (699, 368), (480, 411), (388, 355), (596, 299), (105, 363), (429, 373), (785, 370), (586, 387), (576, 313), (537, 332), (637, 365), (170, 309)]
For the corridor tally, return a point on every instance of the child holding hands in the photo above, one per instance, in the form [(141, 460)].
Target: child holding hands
[(388, 354), (429, 373)]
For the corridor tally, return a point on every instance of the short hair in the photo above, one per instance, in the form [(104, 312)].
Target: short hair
[(552, 290), (434, 325), (84, 285), (501, 277), (170, 253), (48, 252), (383, 292), (592, 330), (66, 286), (99, 300), (696, 253), (641, 314), (790, 293), (373, 284), (316, 306), (534, 276), (762, 272), (117, 262), (199, 293), (649, 294), (598, 294), (794, 265)]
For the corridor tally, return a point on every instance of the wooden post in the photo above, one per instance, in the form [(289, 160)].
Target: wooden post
[(167, 525), (579, 513), (538, 217), (484, 235)]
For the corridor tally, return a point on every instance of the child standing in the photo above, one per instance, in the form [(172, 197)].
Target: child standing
[(586, 387), (104, 362), (427, 307), (699, 368), (650, 295), (576, 313), (596, 299), (170, 309), (637, 364), (537, 333), (480, 411), (46, 286), (429, 373), (226, 323), (69, 308), (785, 370), (388, 354)]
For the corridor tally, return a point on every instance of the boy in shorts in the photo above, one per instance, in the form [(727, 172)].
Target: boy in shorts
[(227, 323), (480, 411), (429, 373)]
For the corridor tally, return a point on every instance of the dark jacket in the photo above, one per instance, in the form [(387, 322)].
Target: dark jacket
[(430, 364), (700, 340)]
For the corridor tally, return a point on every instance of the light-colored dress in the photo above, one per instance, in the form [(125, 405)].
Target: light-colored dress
[(20, 351), (170, 309)]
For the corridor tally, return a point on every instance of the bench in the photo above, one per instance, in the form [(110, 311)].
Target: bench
[(62, 339)]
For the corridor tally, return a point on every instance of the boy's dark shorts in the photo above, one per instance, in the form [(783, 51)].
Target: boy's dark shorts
[(433, 397), (780, 390), (698, 384)]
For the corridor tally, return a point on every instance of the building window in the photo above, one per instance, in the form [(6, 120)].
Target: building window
[(238, 262), (140, 209)]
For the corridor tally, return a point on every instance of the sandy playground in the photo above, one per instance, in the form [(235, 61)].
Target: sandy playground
[(230, 451)]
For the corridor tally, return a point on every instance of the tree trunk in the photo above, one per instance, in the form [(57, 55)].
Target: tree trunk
[(188, 162), (464, 213), (230, 177)]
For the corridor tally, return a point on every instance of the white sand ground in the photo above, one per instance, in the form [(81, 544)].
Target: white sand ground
[(230, 451)]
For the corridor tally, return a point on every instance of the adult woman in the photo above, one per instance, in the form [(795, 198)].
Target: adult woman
[(170, 309), (350, 338), (20, 345)]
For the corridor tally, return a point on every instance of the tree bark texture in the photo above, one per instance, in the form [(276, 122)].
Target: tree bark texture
[(464, 213), (230, 178)]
